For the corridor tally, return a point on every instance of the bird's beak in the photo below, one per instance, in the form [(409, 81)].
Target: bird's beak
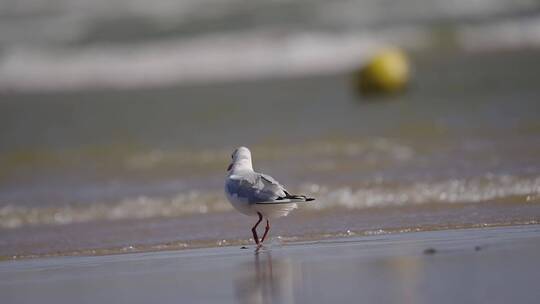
[(229, 167)]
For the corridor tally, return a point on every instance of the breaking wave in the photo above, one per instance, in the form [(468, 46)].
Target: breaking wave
[(474, 190), (238, 56)]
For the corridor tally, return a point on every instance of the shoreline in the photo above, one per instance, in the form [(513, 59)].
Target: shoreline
[(278, 241), (232, 229)]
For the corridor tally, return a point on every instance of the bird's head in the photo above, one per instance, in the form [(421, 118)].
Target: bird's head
[(241, 160)]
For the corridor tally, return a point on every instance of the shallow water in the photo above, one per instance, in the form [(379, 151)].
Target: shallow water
[(466, 132), (233, 229)]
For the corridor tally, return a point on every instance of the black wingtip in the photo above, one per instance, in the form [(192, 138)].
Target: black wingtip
[(305, 198)]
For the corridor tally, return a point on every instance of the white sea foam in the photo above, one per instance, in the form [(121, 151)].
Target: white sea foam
[(474, 190)]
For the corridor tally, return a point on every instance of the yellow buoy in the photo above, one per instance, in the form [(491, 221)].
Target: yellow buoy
[(386, 72)]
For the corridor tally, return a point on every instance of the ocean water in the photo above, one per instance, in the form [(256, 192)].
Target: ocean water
[(117, 119), (146, 167)]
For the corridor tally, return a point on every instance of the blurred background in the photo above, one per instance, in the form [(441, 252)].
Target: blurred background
[(127, 109), (81, 44)]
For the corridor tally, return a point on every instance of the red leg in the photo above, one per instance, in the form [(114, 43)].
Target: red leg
[(266, 230), (254, 229)]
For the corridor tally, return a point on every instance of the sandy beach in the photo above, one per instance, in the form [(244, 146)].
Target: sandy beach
[(486, 265)]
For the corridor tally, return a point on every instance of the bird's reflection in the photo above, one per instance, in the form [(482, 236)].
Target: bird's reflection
[(266, 280)]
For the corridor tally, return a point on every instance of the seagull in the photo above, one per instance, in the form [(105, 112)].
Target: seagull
[(254, 193)]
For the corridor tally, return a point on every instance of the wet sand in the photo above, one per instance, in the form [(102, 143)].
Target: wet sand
[(495, 265)]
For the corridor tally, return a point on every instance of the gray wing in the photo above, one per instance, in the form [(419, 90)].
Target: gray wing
[(255, 187)]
